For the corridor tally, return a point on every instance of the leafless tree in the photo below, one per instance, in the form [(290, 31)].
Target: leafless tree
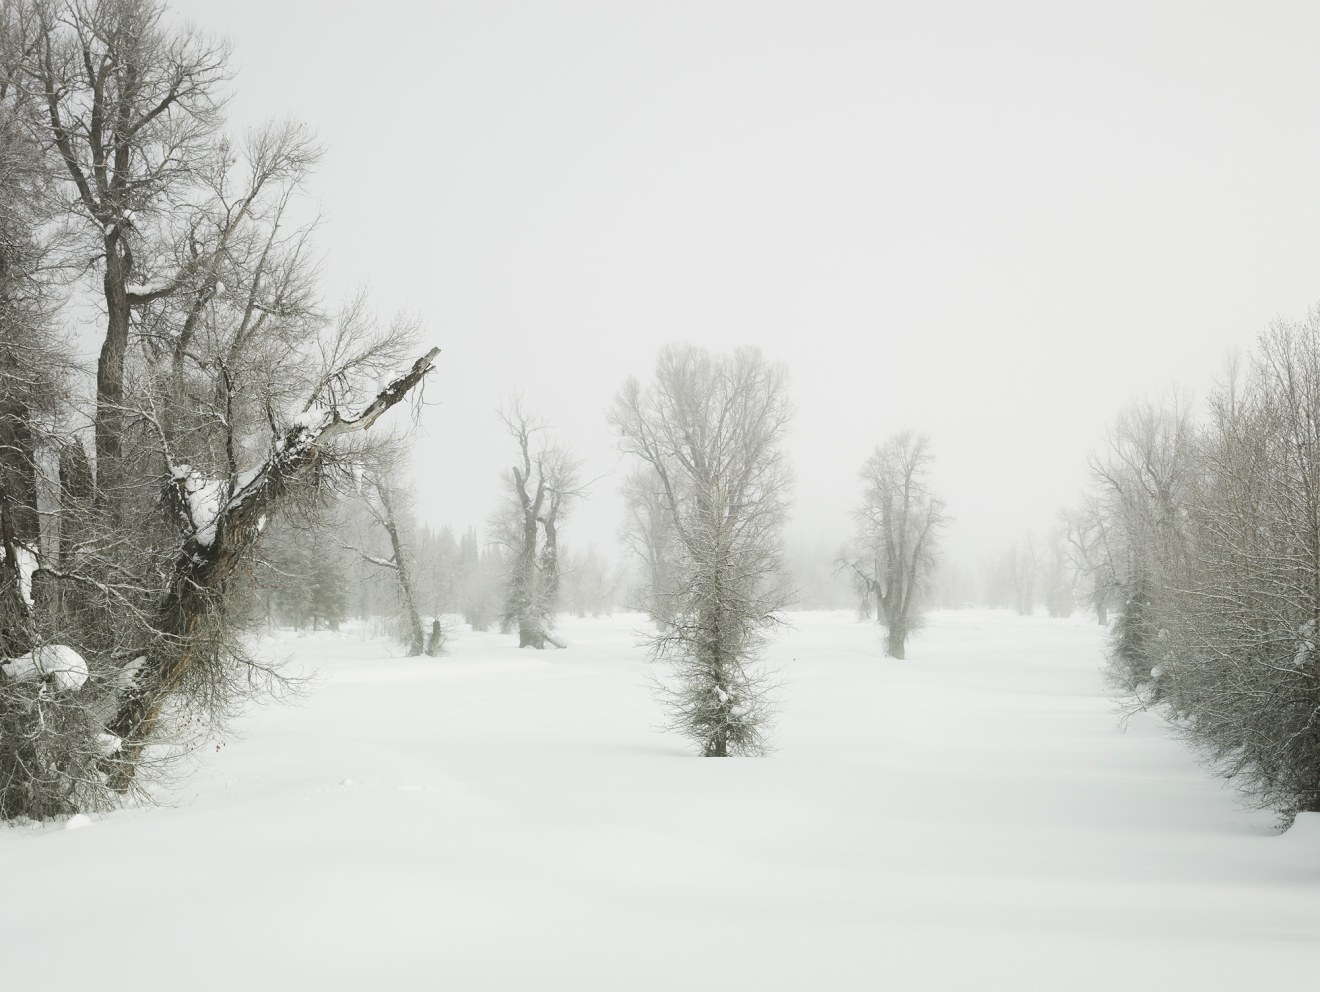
[(539, 489), (1091, 547), (710, 428), (383, 496), (1146, 479), (591, 583), (1018, 567), (1058, 577), (899, 525), (648, 534)]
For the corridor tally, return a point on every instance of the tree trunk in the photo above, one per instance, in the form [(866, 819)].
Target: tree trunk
[(416, 640), (110, 371), (531, 634), (895, 642)]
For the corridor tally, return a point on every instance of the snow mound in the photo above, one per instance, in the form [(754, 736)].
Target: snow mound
[(78, 821), (60, 663), (205, 496)]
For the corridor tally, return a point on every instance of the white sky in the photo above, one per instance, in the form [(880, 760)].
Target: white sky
[(997, 222)]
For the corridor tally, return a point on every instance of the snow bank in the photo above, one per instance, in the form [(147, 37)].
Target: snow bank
[(973, 818), (64, 666)]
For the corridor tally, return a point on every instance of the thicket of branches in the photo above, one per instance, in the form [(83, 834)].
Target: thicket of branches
[(1209, 531)]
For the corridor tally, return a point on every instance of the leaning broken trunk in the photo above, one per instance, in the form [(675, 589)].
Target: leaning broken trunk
[(127, 634)]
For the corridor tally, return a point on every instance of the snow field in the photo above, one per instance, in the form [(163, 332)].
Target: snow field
[(970, 818)]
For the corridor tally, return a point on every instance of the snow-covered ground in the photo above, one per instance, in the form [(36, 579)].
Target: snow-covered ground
[(970, 818)]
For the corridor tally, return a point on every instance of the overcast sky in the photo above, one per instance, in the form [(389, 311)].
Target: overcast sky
[(995, 222)]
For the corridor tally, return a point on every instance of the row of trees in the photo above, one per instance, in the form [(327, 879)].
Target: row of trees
[(1205, 531)]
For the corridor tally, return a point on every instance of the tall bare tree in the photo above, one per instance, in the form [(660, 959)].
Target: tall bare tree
[(383, 495), (899, 525), (709, 428), (1146, 479), (540, 489)]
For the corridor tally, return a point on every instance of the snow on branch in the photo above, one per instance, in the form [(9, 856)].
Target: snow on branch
[(59, 663), (207, 507)]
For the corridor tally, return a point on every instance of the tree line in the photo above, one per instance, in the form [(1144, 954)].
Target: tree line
[(1201, 531)]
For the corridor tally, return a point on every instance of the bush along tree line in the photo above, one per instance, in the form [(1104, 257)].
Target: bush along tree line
[(1203, 533)]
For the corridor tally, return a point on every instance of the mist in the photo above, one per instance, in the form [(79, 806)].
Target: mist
[(996, 225)]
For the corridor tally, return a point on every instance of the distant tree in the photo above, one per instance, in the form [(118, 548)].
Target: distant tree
[(710, 429), (383, 496), (1020, 568), (1091, 548), (304, 573), (899, 525), (591, 583), (481, 581), (540, 489), (648, 534), (1059, 580), (1146, 479), (438, 569)]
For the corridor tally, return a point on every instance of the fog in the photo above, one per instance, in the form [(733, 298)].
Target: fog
[(996, 223)]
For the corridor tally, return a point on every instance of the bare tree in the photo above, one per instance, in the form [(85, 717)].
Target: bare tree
[(1146, 479), (540, 489), (648, 533), (1090, 546), (899, 525), (1018, 565), (710, 429), (1058, 579), (131, 110), (382, 496)]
